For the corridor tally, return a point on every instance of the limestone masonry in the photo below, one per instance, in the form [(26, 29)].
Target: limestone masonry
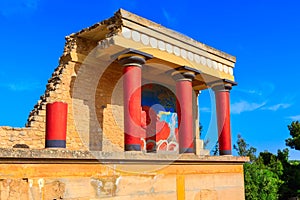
[(130, 89)]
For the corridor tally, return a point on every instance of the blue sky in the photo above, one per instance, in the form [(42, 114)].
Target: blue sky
[(262, 34)]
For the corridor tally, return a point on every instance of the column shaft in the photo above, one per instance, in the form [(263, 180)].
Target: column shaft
[(185, 115), (132, 60), (223, 117), (56, 125), (132, 107)]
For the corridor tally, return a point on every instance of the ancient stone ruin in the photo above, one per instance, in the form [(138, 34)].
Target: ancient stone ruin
[(119, 120)]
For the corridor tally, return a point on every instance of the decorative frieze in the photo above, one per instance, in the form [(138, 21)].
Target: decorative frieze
[(177, 51)]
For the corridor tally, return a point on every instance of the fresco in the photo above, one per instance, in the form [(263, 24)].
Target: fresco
[(159, 119)]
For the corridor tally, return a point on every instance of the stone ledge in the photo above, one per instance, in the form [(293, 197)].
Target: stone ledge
[(54, 155)]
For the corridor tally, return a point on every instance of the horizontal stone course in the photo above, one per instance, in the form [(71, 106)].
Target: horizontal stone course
[(56, 153)]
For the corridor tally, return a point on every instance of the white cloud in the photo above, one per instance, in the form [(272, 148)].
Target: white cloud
[(205, 109), (244, 106), (166, 14), (295, 117), (255, 92), (21, 86), (16, 7), (249, 91), (277, 107), (170, 19), (261, 90)]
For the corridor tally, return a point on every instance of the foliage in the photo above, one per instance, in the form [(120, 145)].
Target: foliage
[(270, 176), (272, 162), (243, 148), (294, 141), (291, 176), (261, 183), (291, 173), (262, 174)]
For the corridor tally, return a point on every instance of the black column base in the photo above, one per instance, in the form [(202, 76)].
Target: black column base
[(186, 150), (225, 152), (55, 144), (132, 147)]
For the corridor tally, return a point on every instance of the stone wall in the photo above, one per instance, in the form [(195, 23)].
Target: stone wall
[(64, 174), (21, 137), (92, 181), (59, 88), (109, 99)]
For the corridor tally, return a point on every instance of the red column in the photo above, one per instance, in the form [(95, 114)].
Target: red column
[(132, 77), (223, 118), (56, 125), (184, 94)]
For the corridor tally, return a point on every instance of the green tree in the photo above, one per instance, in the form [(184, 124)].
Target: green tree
[(272, 162), (262, 174), (243, 148), (290, 176), (261, 183), (294, 141)]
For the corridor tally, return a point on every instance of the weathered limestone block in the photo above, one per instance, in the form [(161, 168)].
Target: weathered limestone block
[(105, 186), (18, 136), (77, 188), (14, 189), (207, 195), (54, 190), (164, 183)]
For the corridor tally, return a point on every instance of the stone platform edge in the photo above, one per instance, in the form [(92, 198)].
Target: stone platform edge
[(20, 155)]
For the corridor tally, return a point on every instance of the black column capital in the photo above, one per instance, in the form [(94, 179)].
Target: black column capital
[(132, 57), (183, 76), (131, 60), (222, 85), (183, 73)]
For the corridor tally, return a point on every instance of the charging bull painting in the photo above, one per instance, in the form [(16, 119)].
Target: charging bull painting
[(159, 119)]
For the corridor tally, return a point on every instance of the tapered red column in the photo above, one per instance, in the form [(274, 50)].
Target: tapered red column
[(184, 94), (132, 61), (222, 95)]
